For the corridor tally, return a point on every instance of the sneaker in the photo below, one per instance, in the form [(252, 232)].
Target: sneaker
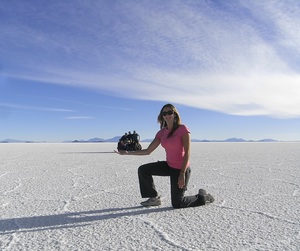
[(154, 201), (202, 192), (208, 198)]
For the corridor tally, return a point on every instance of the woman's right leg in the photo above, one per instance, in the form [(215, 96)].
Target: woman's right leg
[(146, 172), (177, 194)]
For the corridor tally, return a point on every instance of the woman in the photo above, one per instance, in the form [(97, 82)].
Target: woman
[(175, 138)]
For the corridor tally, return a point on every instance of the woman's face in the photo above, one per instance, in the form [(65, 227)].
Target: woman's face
[(168, 114)]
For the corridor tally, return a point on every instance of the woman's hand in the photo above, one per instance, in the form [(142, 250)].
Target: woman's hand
[(181, 180), (121, 152)]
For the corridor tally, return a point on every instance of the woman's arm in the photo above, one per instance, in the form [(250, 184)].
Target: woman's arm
[(153, 145), (186, 139), (186, 145)]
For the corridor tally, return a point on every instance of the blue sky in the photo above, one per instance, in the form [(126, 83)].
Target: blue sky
[(81, 69)]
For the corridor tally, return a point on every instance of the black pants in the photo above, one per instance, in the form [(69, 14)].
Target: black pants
[(161, 168)]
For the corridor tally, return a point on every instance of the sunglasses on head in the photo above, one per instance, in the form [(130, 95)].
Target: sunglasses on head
[(167, 113)]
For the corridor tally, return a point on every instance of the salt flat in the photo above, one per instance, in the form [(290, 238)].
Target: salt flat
[(85, 197)]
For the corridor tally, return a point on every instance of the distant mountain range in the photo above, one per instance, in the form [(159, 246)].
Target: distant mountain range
[(116, 139), (15, 141), (95, 140), (235, 140)]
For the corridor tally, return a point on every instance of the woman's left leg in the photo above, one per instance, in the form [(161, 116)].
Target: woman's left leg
[(177, 194), (145, 173)]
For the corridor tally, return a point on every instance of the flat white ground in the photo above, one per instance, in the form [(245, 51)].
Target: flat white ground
[(85, 197)]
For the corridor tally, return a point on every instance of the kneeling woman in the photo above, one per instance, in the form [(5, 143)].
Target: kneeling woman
[(175, 138)]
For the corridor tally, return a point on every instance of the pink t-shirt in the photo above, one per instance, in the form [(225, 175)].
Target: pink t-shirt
[(173, 145)]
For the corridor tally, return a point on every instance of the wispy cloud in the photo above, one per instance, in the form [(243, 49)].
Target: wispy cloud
[(234, 57), (33, 108), (80, 117), (68, 101)]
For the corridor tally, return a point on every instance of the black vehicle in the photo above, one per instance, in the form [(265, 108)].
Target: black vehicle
[(129, 142)]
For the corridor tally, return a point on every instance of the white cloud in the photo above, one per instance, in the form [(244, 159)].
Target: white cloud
[(272, 95), (237, 58)]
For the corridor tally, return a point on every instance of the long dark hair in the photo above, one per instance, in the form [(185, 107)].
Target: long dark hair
[(162, 122)]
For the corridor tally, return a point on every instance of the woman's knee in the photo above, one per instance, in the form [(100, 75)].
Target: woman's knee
[(142, 169), (176, 205), (176, 202)]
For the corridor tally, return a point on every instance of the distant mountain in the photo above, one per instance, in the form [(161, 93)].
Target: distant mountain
[(93, 140), (226, 140), (235, 140), (267, 140), (96, 140), (200, 140), (15, 141), (114, 139)]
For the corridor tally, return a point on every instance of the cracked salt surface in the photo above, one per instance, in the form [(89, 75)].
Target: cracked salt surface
[(85, 197)]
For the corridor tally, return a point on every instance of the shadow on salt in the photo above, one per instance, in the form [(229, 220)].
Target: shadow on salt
[(71, 220)]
